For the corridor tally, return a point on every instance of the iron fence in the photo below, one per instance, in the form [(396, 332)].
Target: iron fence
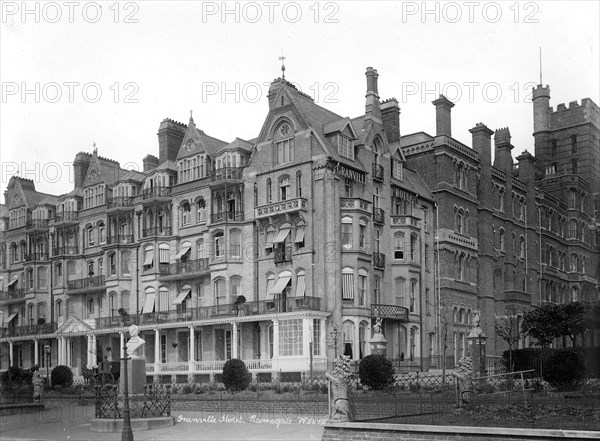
[(155, 402)]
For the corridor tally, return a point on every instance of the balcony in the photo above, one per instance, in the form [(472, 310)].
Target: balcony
[(183, 270), (227, 174), (378, 172), (283, 207), (227, 216), (119, 202), (389, 312), (34, 257), (20, 331), (354, 204), (157, 231), (156, 193), (93, 283), (283, 254), (517, 296), (378, 215), (405, 219), (379, 260), (66, 216), (225, 311), (119, 239), (67, 250), (37, 224), (12, 295)]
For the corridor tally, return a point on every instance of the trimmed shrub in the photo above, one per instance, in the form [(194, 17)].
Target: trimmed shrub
[(235, 375), (564, 368), (61, 376), (376, 372)]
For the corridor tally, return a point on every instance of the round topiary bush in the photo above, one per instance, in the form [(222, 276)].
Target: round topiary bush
[(564, 368), (235, 375), (376, 372), (61, 376)]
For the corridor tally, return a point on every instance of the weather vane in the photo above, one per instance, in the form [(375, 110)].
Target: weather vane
[(282, 58)]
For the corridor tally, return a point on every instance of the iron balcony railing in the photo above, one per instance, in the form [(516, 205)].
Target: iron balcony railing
[(12, 294), (227, 216), (66, 216), (378, 172), (289, 304), (37, 223), (282, 207), (87, 282), (189, 266), (389, 311), (283, 254), (120, 238), (68, 250), (156, 192), (226, 173), (378, 215), (157, 231), (379, 260), (33, 257), (20, 331), (120, 202)]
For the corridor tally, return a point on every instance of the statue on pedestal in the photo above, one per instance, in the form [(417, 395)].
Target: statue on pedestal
[(38, 383), (339, 390), (134, 342)]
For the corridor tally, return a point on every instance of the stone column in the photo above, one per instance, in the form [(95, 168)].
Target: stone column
[(275, 345), (192, 356), (36, 359), (323, 338), (94, 353), (156, 349), (306, 340), (121, 344), (59, 350), (234, 341), (10, 353), (89, 352)]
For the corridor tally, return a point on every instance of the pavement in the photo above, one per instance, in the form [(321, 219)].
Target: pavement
[(72, 422)]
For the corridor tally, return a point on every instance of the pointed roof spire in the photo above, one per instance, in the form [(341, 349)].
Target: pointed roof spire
[(191, 115), (282, 58)]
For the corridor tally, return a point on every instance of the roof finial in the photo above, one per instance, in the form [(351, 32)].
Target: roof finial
[(95, 148), (541, 65), (191, 114), (282, 58)]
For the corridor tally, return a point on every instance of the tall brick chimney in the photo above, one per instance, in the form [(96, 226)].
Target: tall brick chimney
[(372, 109), (170, 135), (390, 116), (443, 119), (150, 162), (482, 143), (80, 168), (502, 153)]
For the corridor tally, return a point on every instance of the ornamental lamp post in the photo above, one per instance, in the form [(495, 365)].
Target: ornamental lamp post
[(47, 349), (127, 434)]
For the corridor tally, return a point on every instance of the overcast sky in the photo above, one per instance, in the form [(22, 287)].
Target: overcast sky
[(73, 73)]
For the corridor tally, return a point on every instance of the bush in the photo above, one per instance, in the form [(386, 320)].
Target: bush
[(564, 368), (18, 376), (61, 376), (235, 375), (376, 372)]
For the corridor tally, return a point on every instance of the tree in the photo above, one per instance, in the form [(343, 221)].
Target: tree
[(443, 313), (507, 328), (543, 324)]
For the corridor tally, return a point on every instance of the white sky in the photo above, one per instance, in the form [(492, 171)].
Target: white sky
[(184, 55)]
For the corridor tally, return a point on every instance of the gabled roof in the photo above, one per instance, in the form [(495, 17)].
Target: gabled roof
[(48, 200), (238, 144), (202, 142), (414, 138), (25, 188), (412, 181), (102, 170), (133, 175), (339, 126)]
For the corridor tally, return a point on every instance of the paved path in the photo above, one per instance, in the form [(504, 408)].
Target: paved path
[(71, 422)]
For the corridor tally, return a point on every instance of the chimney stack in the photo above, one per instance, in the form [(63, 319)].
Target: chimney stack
[(170, 136), (502, 155), (443, 119), (390, 115), (372, 110), (150, 162), (482, 143)]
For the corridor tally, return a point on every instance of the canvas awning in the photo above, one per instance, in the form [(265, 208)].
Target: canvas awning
[(281, 235), (12, 282), (299, 234), (281, 284), (183, 252), (300, 286), (148, 304), (182, 296), (149, 258), (12, 316)]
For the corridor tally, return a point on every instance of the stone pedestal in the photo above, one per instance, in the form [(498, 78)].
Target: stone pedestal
[(476, 342), (378, 344), (136, 371)]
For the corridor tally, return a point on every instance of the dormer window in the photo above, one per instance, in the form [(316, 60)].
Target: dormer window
[(345, 147)]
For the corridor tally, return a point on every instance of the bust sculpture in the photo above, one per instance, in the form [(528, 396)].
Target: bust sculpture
[(134, 342)]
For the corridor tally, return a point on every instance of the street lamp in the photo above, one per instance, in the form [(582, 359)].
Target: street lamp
[(127, 434), (47, 349)]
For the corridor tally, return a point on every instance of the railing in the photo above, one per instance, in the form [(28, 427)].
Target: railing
[(404, 219), (69, 250), (213, 365), (119, 202), (354, 203), (283, 207), (66, 216), (227, 216), (258, 364), (222, 174), (19, 331), (289, 304), (389, 311), (87, 282), (378, 215), (37, 223), (378, 172), (379, 260), (156, 192), (12, 294), (120, 238), (189, 266), (157, 231), (179, 366), (199, 366), (32, 257), (283, 254)]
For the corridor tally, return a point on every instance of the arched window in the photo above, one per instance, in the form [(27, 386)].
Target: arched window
[(522, 247), (269, 191), (58, 308), (235, 287), (284, 188), (201, 210), (362, 332), (300, 283), (574, 262), (298, 184), (219, 245), (30, 316), (148, 258), (220, 292), (41, 311), (572, 198), (347, 233), (348, 333), (163, 298), (376, 290), (362, 233), (42, 277), (235, 243), (163, 253), (90, 236), (362, 287), (186, 211), (412, 304), (501, 200), (348, 284), (400, 291), (125, 301), (270, 284), (414, 242), (269, 237), (70, 308), (458, 220), (502, 239), (284, 143), (71, 270)]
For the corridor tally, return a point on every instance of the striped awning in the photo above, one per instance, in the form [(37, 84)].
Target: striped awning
[(281, 284), (300, 286), (299, 234), (281, 235), (12, 316), (348, 286), (183, 295), (148, 304), (183, 252), (13, 282), (149, 258)]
